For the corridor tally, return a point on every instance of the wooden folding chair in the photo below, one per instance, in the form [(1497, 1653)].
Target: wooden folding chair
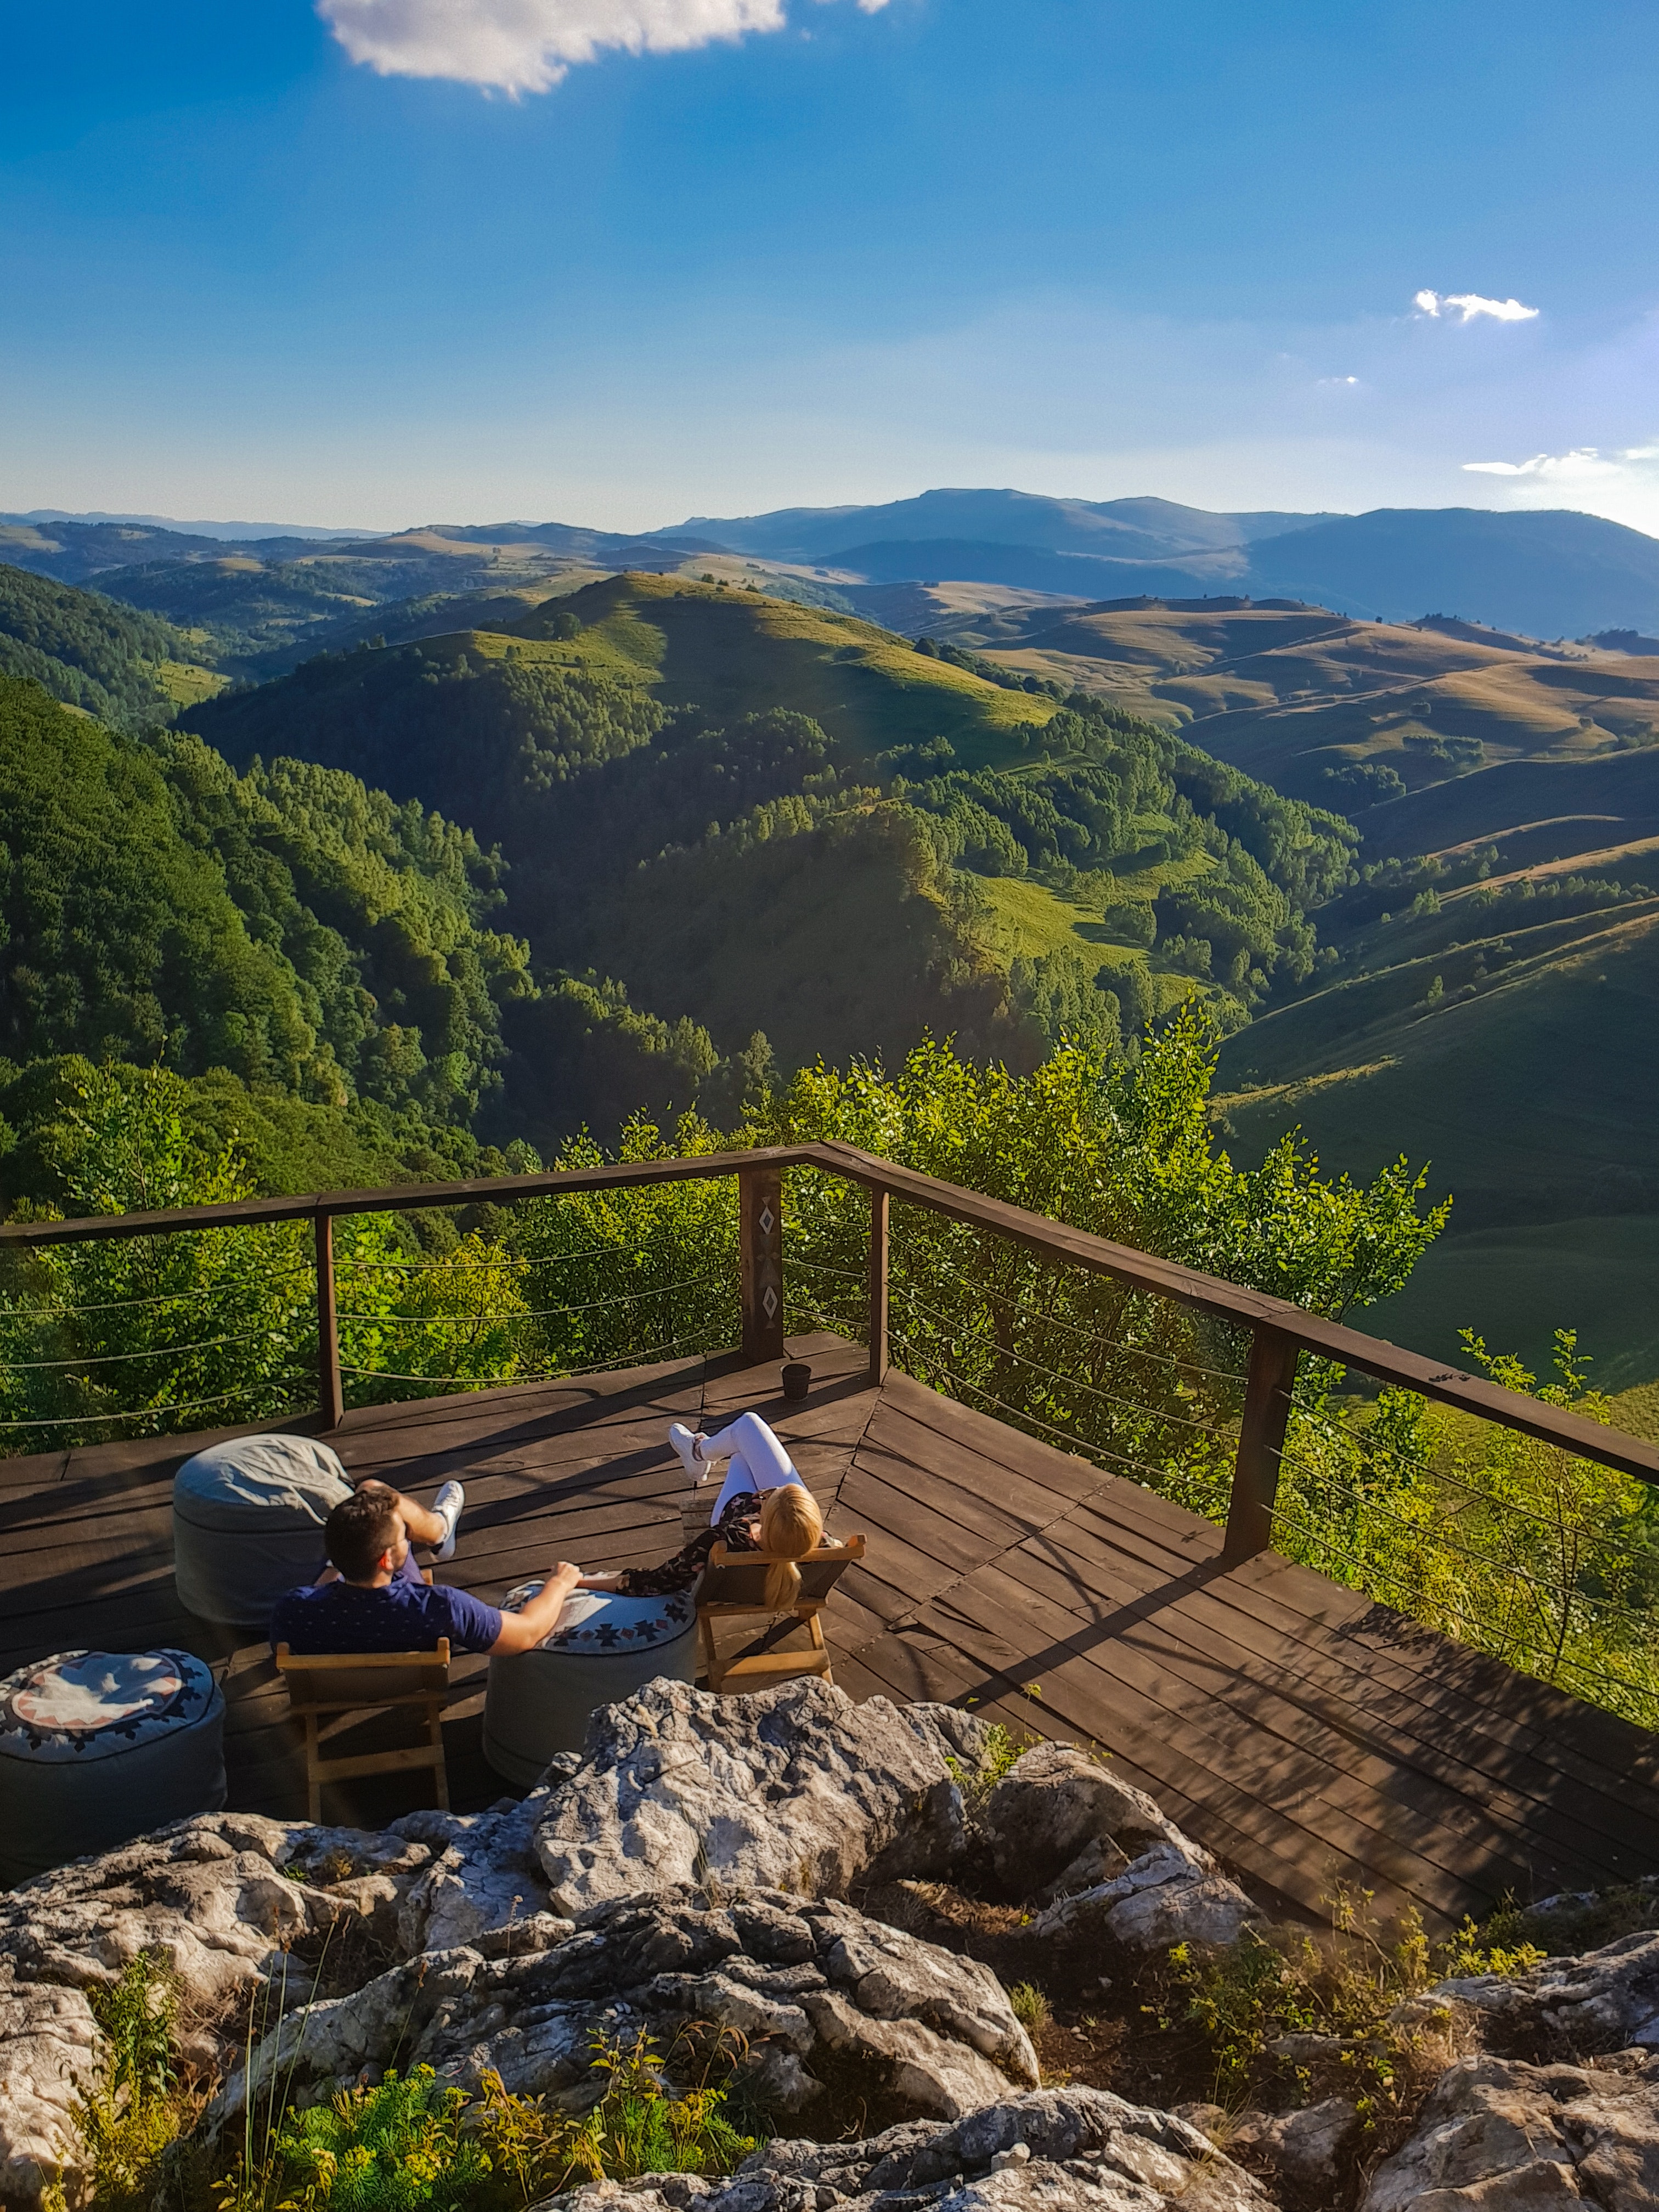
[(328, 1690), (734, 1584)]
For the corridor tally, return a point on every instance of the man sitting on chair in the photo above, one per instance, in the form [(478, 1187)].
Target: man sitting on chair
[(372, 1597)]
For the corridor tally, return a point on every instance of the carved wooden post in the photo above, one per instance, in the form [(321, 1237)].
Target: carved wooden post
[(329, 1400), (1273, 1357), (877, 1332), (760, 1232)]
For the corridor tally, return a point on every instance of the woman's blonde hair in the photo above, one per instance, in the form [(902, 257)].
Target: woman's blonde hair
[(792, 1524)]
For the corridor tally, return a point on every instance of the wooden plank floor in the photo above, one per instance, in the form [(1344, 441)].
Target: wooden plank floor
[(1305, 1734)]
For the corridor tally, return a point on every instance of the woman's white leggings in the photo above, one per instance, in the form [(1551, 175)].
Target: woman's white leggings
[(758, 1460)]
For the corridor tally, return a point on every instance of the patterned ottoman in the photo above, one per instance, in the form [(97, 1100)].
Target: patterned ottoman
[(98, 1746), (247, 1524), (605, 1647)]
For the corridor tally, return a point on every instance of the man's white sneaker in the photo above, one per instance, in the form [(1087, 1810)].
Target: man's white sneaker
[(449, 1502), (697, 1471)]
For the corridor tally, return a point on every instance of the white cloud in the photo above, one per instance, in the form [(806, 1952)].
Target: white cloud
[(1468, 305), (527, 45), (1581, 463)]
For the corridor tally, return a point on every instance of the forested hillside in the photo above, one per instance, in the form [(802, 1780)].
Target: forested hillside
[(661, 762), (129, 670), (289, 937)]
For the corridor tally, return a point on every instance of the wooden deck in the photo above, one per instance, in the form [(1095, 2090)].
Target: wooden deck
[(1302, 1734)]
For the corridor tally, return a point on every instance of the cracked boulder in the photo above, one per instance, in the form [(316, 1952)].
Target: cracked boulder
[(1073, 2150), (215, 1895), (48, 2047), (1497, 2133), (1060, 1821), (795, 1787), (801, 1984), (484, 1886), (1173, 1894)]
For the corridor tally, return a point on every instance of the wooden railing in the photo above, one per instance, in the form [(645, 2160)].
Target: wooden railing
[(1280, 1333)]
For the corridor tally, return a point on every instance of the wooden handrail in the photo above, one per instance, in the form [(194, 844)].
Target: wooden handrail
[(1276, 1321)]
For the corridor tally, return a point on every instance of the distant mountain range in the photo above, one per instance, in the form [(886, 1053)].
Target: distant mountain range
[(1548, 574)]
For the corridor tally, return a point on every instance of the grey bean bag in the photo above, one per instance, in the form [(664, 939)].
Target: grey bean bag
[(247, 1524), (98, 1746), (605, 1647)]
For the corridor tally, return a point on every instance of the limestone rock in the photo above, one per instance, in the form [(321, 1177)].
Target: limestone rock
[(793, 1980), (484, 1886), (1496, 2132), (1173, 1894), (1603, 2000), (1311, 2149), (795, 1787), (48, 2044), (1060, 1821), (214, 1894), (1075, 2150)]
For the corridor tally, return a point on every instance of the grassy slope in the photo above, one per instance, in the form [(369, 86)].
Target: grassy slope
[(730, 652), (1530, 1098)]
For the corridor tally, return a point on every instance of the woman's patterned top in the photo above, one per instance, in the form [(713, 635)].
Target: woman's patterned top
[(678, 1573)]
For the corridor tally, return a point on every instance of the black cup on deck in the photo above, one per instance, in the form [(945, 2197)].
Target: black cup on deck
[(797, 1378)]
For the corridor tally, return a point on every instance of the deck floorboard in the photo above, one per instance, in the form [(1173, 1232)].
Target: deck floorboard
[(1303, 1733)]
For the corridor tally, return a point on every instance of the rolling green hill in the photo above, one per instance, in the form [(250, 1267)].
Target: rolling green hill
[(662, 760), (1510, 1037), (128, 669)]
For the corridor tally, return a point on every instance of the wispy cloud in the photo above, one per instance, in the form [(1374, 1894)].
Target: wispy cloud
[(527, 45), (1583, 462), (1468, 305)]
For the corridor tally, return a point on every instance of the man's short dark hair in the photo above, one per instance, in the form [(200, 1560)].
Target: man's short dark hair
[(358, 1532)]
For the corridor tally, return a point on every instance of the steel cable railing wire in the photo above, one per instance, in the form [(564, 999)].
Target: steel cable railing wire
[(1433, 1565), (1592, 1675), (979, 1289), (973, 1395)]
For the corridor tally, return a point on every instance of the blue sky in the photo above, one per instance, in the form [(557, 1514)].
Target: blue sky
[(390, 261)]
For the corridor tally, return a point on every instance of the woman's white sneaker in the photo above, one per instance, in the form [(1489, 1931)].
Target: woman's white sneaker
[(697, 1471)]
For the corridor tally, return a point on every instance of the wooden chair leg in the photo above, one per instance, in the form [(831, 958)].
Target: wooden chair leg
[(815, 1632), (441, 1769), (314, 1776), (711, 1661)]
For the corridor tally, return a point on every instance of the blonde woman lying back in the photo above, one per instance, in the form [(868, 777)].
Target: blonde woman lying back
[(763, 1506)]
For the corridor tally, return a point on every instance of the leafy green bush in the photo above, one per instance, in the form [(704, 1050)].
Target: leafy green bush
[(408, 2145), (135, 1336), (1548, 1561)]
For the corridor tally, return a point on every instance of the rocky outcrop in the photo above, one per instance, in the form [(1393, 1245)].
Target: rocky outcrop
[(795, 1788), (215, 1895), (1604, 1999), (1077, 2151), (793, 1980), (1498, 2133)]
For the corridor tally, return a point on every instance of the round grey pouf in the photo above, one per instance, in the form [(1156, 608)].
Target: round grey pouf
[(98, 1747), (247, 1524), (605, 1647)]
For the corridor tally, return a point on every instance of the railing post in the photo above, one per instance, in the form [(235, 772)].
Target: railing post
[(760, 1234), (877, 1332), (1273, 1357), (328, 1400)]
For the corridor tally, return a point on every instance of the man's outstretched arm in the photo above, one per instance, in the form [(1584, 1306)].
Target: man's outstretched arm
[(524, 1630)]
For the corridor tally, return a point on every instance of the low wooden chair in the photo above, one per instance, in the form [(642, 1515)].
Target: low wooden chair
[(734, 1584), (328, 1690)]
